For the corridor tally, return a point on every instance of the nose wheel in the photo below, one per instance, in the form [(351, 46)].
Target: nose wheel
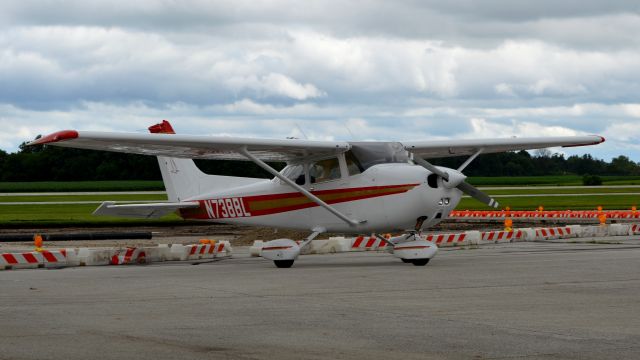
[(417, 252)]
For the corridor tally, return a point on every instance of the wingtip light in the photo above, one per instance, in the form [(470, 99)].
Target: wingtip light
[(55, 137)]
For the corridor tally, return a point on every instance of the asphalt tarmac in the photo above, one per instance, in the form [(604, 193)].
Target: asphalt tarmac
[(522, 300)]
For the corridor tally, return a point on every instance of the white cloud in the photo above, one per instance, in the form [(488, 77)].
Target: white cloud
[(482, 128), (428, 69), (274, 84)]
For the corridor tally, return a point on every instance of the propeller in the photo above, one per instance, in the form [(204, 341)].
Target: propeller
[(454, 178)]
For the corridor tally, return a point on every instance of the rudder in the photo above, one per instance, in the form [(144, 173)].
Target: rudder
[(184, 180)]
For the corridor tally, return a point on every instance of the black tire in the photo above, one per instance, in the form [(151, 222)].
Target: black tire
[(406, 261), (283, 263), (420, 262)]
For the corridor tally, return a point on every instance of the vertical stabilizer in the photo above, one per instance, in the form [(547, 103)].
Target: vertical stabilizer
[(182, 178)]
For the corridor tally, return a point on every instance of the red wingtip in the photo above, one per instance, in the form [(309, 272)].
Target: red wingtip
[(162, 128), (56, 137)]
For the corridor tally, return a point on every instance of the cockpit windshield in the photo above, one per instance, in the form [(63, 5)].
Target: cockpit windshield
[(369, 154), (362, 156), (295, 173)]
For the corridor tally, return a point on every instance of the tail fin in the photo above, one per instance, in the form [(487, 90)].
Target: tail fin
[(182, 178)]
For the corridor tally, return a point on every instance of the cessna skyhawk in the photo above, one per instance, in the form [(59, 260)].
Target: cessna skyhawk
[(327, 186)]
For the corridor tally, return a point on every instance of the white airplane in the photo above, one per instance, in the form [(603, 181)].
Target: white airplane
[(327, 186)]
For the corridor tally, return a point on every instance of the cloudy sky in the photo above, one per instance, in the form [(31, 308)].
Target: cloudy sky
[(361, 70)]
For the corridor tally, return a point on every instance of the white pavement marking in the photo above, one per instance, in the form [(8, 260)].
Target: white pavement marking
[(533, 187), (559, 195), (77, 202)]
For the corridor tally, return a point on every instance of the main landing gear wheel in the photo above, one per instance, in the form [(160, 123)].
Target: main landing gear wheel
[(419, 262), (286, 263)]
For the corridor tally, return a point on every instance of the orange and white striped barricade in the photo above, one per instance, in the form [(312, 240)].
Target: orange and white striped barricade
[(256, 249), (528, 234), (130, 255), (36, 259), (21, 260), (443, 240), (208, 251), (157, 253), (58, 258), (178, 252), (362, 243), (334, 244), (224, 249), (94, 257), (590, 231), (501, 236), (576, 230), (552, 233), (619, 230)]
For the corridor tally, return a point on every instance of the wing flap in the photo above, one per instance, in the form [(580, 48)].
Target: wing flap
[(141, 211), (448, 148)]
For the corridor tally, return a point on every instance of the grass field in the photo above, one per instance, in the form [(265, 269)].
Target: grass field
[(564, 180), (16, 216), (561, 190), (13, 216), (118, 197), (62, 186), (608, 202)]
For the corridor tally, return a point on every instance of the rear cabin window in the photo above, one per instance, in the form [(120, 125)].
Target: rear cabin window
[(324, 170)]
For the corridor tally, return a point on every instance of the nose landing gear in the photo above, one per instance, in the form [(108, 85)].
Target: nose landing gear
[(417, 252)]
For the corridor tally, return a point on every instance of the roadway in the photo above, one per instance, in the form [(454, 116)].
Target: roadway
[(521, 300)]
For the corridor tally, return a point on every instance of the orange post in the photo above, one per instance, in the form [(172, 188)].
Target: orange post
[(37, 241), (540, 208), (603, 219), (508, 224), (634, 210)]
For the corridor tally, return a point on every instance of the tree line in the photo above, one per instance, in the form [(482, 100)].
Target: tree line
[(50, 163)]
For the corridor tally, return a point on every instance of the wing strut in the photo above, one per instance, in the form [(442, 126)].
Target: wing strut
[(470, 159), (299, 188)]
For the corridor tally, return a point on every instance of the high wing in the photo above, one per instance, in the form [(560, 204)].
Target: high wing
[(195, 146), (231, 148), (448, 148)]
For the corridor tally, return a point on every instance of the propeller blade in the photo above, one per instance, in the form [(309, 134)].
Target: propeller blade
[(475, 193)]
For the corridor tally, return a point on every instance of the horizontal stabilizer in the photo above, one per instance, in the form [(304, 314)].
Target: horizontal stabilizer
[(142, 211)]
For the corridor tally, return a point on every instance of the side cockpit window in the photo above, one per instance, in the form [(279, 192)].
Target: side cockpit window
[(324, 170), (353, 165)]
